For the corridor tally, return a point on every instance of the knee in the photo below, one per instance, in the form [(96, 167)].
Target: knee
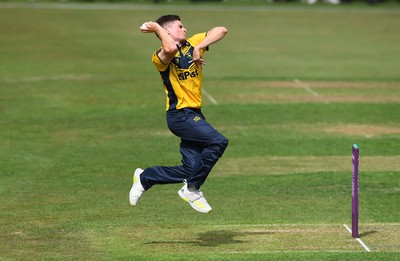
[(224, 143), (221, 143), (215, 147)]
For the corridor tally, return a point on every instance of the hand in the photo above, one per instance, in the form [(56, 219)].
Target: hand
[(197, 59), (147, 27)]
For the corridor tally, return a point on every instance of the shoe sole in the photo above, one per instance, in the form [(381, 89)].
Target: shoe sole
[(135, 179)]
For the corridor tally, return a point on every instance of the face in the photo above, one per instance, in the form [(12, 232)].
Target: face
[(176, 30)]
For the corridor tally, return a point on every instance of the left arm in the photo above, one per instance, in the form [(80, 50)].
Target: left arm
[(213, 36)]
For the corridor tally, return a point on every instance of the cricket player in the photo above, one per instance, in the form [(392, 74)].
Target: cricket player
[(179, 62)]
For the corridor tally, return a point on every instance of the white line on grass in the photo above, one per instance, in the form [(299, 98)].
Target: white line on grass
[(273, 225), (214, 101), (359, 240), (309, 90), (175, 7), (289, 252), (61, 77)]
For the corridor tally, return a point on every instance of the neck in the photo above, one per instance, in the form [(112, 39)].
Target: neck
[(180, 43)]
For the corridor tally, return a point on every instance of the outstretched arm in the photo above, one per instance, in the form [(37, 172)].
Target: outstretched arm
[(169, 48), (213, 36)]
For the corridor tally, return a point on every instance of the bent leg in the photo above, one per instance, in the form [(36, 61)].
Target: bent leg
[(210, 155), (201, 147), (198, 134), (191, 161)]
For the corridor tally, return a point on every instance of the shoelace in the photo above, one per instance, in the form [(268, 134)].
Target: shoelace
[(199, 193)]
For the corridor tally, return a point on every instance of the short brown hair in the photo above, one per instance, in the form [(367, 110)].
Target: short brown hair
[(165, 19)]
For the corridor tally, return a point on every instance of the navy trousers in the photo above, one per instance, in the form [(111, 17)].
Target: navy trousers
[(201, 147)]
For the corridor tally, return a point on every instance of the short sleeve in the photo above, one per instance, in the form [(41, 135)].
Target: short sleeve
[(196, 39), (157, 62)]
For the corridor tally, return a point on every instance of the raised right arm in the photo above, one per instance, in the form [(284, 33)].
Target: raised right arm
[(169, 48)]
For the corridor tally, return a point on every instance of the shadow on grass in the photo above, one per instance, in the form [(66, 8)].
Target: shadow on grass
[(213, 238), (366, 233)]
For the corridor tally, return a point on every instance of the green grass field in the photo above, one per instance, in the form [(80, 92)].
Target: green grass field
[(295, 86)]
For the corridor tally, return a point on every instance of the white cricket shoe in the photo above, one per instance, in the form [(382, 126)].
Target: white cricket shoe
[(137, 188), (195, 198)]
